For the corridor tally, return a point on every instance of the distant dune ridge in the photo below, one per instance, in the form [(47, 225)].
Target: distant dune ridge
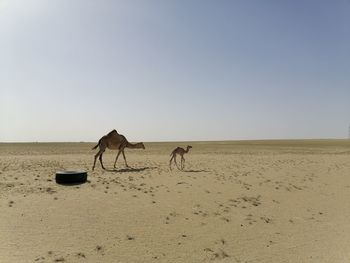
[(234, 201)]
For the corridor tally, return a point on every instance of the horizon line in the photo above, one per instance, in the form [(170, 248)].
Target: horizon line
[(174, 141)]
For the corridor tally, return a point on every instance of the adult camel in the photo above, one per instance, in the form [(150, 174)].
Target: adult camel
[(114, 141)]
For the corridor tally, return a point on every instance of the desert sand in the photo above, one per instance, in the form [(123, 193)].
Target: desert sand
[(240, 201)]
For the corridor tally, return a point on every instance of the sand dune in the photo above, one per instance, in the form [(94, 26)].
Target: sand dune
[(248, 201)]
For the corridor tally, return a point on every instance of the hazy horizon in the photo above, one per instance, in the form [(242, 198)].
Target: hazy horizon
[(157, 71), (193, 141)]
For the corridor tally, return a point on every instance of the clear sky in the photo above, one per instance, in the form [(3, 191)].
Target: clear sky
[(72, 70)]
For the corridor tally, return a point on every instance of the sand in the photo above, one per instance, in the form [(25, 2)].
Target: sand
[(248, 201)]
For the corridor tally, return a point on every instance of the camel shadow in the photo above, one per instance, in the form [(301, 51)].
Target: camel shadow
[(194, 171), (130, 169)]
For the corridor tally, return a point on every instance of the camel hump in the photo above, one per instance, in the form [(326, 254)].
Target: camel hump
[(112, 132), (176, 149)]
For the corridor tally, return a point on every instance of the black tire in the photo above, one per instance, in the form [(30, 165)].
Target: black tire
[(71, 177)]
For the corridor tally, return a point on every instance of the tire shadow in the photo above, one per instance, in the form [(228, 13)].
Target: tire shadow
[(72, 184)]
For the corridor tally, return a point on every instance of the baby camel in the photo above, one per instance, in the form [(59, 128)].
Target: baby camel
[(114, 141), (180, 151)]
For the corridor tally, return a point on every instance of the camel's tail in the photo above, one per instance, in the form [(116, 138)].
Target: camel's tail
[(93, 148)]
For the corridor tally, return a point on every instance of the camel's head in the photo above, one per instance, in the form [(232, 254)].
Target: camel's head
[(189, 146)]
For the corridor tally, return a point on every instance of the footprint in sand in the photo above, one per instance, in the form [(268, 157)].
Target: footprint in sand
[(59, 259), (221, 242), (270, 243), (225, 219), (99, 249), (128, 237), (49, 190), (266, 219), (171, 214), (250, 219), (218, 254)]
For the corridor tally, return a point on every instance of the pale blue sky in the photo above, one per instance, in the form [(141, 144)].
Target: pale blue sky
[(72, 70)]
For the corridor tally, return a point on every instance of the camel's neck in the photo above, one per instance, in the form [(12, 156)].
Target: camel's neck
[(187, 150), (135, 145)]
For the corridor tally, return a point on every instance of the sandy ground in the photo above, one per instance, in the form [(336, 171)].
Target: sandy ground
[(258, 201)]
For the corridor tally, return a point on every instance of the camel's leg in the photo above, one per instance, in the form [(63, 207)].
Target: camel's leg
[(182, 163), (116, 158), (171, 159), (100, 158), (176, 163), (125, 159), (96, 155), (93, 166)]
